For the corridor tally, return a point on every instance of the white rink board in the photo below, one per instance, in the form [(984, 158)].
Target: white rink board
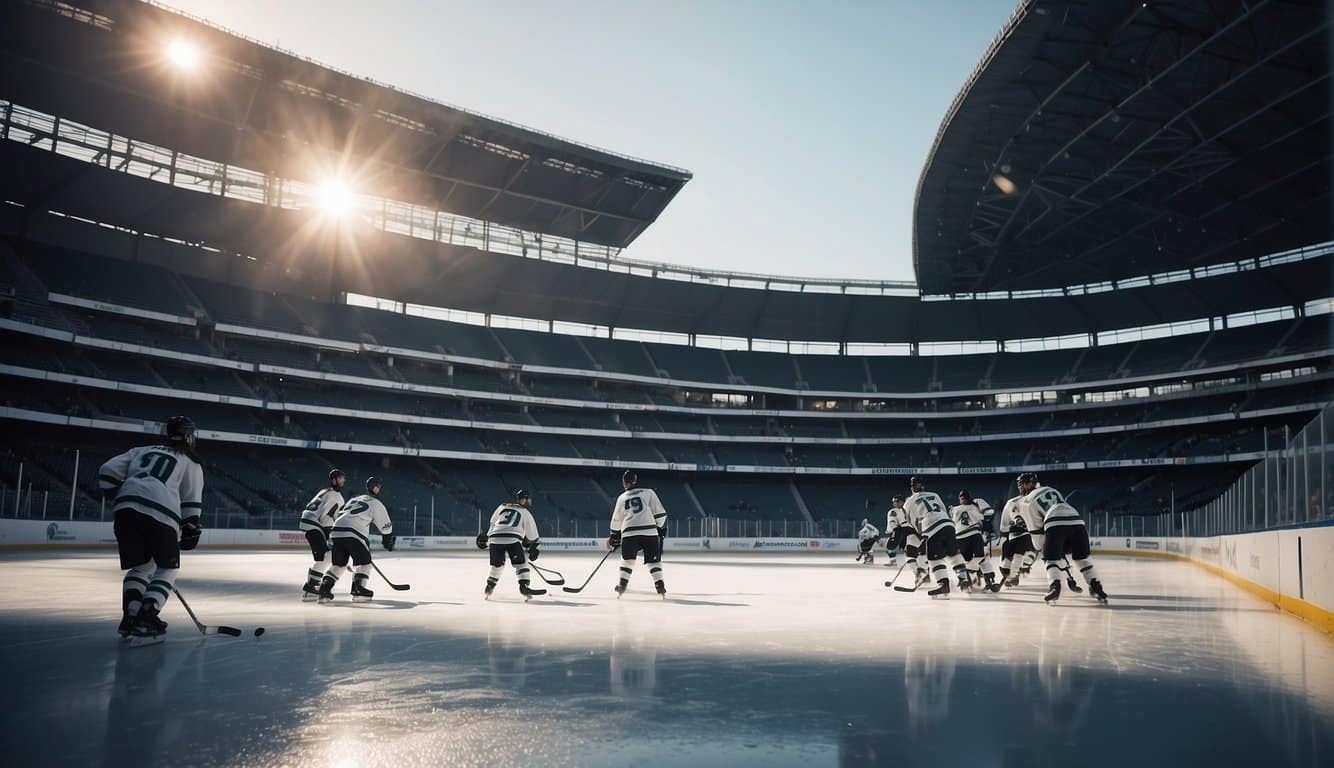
[(1267, 559)]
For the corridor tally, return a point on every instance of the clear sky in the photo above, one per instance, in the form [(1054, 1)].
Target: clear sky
[(806, 124)]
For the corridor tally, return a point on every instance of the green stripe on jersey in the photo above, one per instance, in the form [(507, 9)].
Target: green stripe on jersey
[(153, 505)]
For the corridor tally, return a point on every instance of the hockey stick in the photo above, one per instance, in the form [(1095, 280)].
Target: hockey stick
[(558, 579), (916, 581), (203, 628), (580, 588), (392, 585), (890, 583)]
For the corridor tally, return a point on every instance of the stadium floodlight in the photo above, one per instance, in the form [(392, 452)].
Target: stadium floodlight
[(334, 197), (183, 54)]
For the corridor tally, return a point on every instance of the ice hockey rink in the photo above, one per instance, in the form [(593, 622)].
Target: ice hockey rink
[(757, 660)]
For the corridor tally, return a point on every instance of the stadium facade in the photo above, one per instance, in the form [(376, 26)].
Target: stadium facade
[(1123, 258)]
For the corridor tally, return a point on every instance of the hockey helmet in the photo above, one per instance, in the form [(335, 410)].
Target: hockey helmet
[(965, 497), (522, 495), (180, 429), (373, 484), (629, 478), (1027, 477), (336, 478), (915, 483)]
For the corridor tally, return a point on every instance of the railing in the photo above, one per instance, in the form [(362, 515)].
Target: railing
[(1290, 486), (37, 503)]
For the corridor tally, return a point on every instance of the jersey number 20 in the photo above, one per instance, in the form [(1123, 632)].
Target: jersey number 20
[(158, 465)]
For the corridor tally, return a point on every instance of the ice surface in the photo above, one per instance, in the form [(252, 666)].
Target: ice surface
[(756, 660)]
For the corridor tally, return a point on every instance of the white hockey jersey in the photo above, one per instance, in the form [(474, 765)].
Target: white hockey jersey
[(967, 519), (897, 516), (928, 512), (1012, 525), (511, 523), (1045, 507), (155, 480), (356, 516), (321, 510), (868, 533), (988, 512), (638, 512)]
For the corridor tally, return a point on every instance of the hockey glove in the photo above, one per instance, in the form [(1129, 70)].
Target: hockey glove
[(481, 540), (614, 540), (387, 541), (662, 532), (190, 532), (532, 552), (986, 526)]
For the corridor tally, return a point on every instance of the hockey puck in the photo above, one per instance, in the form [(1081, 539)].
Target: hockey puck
[(259, 631)]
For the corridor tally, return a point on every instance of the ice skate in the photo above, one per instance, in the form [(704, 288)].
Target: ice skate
[(126, 627), (310, 592), (991, 585), (620, 589), (662, 589), (1095, 589), (360, 593), (490, 587), (1073, 585), (147, 624), (326, 591), (1054, 593), (941, 592), (528, 592)]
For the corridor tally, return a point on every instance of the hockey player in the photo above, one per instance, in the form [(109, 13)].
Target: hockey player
[(158, 491), (1016, 542), (1064, 533), (867, 537), (351, 540), (968, 521), (638, 524), (934, 525), (902, 537), (317, 521), (512, 534)]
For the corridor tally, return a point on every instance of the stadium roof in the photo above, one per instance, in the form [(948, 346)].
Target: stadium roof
[(102, 63), (283, 252), (1102, 139)]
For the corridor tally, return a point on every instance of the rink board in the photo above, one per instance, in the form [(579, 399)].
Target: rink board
[(1290, 568)]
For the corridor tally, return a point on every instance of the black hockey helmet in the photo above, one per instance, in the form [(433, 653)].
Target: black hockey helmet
[(965, 497), (373, 484), (1027, 477), (897, 500), (629, 477), (915, 483), (334, 476), (521, 494), (181, 429)]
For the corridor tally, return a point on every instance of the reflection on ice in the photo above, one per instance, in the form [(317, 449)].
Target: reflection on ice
[(808, 662)]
